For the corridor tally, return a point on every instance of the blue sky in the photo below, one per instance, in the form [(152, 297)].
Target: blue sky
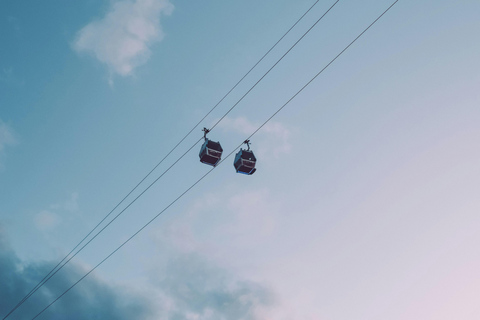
[(365, 202)]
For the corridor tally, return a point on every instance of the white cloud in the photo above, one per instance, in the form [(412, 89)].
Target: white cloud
[(122, 39), (273, 138)]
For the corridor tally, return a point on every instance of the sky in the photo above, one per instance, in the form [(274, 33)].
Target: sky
[(365, 200)]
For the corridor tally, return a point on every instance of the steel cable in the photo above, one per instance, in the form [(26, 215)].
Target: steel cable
[(66, 259), (208, 172)]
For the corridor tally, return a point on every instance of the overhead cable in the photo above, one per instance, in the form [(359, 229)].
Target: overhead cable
[(201, 178), (66, 259)]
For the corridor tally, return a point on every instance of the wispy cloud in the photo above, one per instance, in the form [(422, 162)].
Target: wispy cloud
[(46, 220), (52, 217), (123, 37), (194, 288), (70, 205), (274, 136)]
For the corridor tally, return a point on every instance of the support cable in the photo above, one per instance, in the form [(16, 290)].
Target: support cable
[(67, 259), (208, 172)]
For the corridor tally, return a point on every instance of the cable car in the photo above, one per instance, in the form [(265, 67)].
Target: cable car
[(245, 160), (211, 151)]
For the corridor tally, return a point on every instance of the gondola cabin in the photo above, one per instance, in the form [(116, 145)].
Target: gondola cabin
[(245, 162), (211, 152)]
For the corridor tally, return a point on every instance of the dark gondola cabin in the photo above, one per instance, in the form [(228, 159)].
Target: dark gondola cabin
[(211, 152), (245, 162)]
